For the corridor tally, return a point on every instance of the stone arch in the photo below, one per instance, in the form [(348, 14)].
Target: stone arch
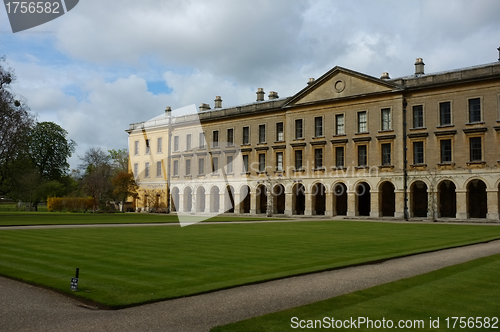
[(174, 199), (318, 191), (261, 194), (214, 199), (188, 199), (245, 199), (363, 199), (477, 199), (200, 199), (387, 199), (279, 199), (298, 199), (419, 203), (339, 199), (229, 199), (447, 199)]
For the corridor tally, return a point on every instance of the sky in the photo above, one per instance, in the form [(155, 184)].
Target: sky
[(106, 64)]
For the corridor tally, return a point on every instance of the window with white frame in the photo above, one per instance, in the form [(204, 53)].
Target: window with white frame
[(136, 170), (362, 155), (445, 113), (136, 148), (298, 159), (474, 110), (187, 165), (215, 139), (280, 132), (299, 130), (446, 152), (188, 142), (158, 169), (176, 168), (246, 135), (201, 166), (159, 145), (339, 156), (386, 121), (386, 154), (418, 116), (230, 137), (318, 158), (475, 146), (279, 161), (229, 164), (215, 164), (262, 162), (362, 122), (176, 143), (318, 126), (245, 163), (262, 133), (146, 170), (201, 140), (418, 152), (339, 124), (148, 146)]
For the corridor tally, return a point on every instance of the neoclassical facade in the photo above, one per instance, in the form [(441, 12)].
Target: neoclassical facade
[(348, 144)]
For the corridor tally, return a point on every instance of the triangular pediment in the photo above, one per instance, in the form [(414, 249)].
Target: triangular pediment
[(341, 83)]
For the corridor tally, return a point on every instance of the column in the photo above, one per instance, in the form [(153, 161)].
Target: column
[(329, 204), (180, 208), (400, 204), (253, 202), (237, 202), (308, 207), (222, 201), (352, 210), (432, 204), (492, 197), (461, 204), (288, 204), (374, 205)]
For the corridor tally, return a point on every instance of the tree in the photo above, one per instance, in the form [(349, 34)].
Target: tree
[(49, 150), (120, 159), (15, 124), (97, 177), (124, 186)]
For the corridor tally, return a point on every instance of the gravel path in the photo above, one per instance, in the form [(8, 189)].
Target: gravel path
[(27, 308)]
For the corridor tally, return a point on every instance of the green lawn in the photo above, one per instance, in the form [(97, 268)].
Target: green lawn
[(466, 290), (61, 218), (121, 266)]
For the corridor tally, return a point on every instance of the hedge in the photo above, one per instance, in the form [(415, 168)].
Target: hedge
[(72, 204)]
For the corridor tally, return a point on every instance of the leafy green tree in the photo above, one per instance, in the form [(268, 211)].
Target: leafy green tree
[(15, 123), (120, 159), (124, 186), (49, 150)]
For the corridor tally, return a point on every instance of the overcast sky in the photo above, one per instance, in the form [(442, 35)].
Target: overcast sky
[(106, 64)]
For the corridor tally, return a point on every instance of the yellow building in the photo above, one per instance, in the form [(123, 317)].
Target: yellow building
[(337, 147)]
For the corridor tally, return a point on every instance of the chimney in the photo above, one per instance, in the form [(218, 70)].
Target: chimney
[(419, 66), (311, 81), (168, 111), (218, 102), (273, 95), (204, 107), (498, 53), (260, 94), (385, 76)]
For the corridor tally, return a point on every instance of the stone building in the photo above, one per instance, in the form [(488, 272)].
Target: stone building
[(338, 147)]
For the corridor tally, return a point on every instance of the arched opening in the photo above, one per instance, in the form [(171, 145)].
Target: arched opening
[(229, 199), (319, 199), (261, 199), (447, 199), (387, 199), (299, 199), (279, 199), (174, 199), (419, 199), (188, 199), (200, 199), (477, 199), (340, 199), (363, 199), (214, 199), (245, 199)]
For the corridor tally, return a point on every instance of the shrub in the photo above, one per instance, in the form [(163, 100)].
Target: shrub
[(72, 204)]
